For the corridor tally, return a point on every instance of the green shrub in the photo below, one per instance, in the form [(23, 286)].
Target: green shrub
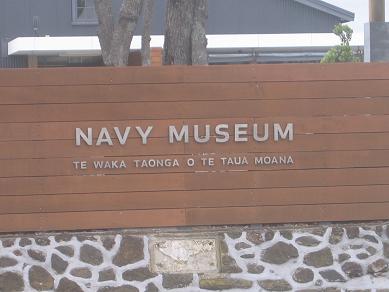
[(343, 52)]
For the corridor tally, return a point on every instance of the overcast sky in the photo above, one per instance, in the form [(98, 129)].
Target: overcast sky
[(361, 10)]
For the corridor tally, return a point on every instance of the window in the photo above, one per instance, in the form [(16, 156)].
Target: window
[(84, 12)]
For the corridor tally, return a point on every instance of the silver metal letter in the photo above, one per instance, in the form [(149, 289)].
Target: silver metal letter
[(197, 137), (88, 139), (122, 139), (286, 134), (184, 134), (241, 129), (104, 137), (265, 136), (145, 134), (222, 130)]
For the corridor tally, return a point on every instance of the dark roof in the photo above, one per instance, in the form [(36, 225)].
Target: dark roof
[(274, 16), (54, 18), (343, 14)]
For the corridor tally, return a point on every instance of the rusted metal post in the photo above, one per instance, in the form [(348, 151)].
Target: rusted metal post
[(377, 10)]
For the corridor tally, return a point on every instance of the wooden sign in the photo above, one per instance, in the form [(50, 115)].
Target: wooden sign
[(96, 148)]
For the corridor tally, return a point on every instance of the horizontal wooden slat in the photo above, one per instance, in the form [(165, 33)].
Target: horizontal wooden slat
[(193, 181), (325, 89), (192, 199), (161, 146), (192, 92), (67, 148), (129, 93), (194, 216), (302, 125), (316, 142), (172, 74), (287, 178), (190, 110), (301, 160), (296, 213), (91, 220)]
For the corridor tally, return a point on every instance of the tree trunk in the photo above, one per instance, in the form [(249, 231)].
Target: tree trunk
[(105, 30), (148, 8), (185, 38), (199, 38), (115, 37)]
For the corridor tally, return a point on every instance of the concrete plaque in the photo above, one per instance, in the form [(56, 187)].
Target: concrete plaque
[(184, 255)]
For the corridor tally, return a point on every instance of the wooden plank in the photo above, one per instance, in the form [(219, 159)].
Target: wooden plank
[(324, 89), (193, 181), (192, 110), (192, 91), (194, 216), (67, 148), (91, 220), (308, 142), (192, 199), (192, 74), (107, 75), (161, 146), (301, 160), (287, 214), (84, 184), (310, 72), (302, 125), (129, 93), (286, 178)]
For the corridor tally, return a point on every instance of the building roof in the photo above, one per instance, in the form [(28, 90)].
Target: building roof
[(328, 8), (263, 23), (272, 16), (55, 18)]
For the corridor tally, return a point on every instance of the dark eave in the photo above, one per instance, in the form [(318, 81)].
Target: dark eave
[(343, 14)]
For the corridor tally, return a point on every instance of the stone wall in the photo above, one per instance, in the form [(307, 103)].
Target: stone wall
[(252, 258), (376, 42)]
